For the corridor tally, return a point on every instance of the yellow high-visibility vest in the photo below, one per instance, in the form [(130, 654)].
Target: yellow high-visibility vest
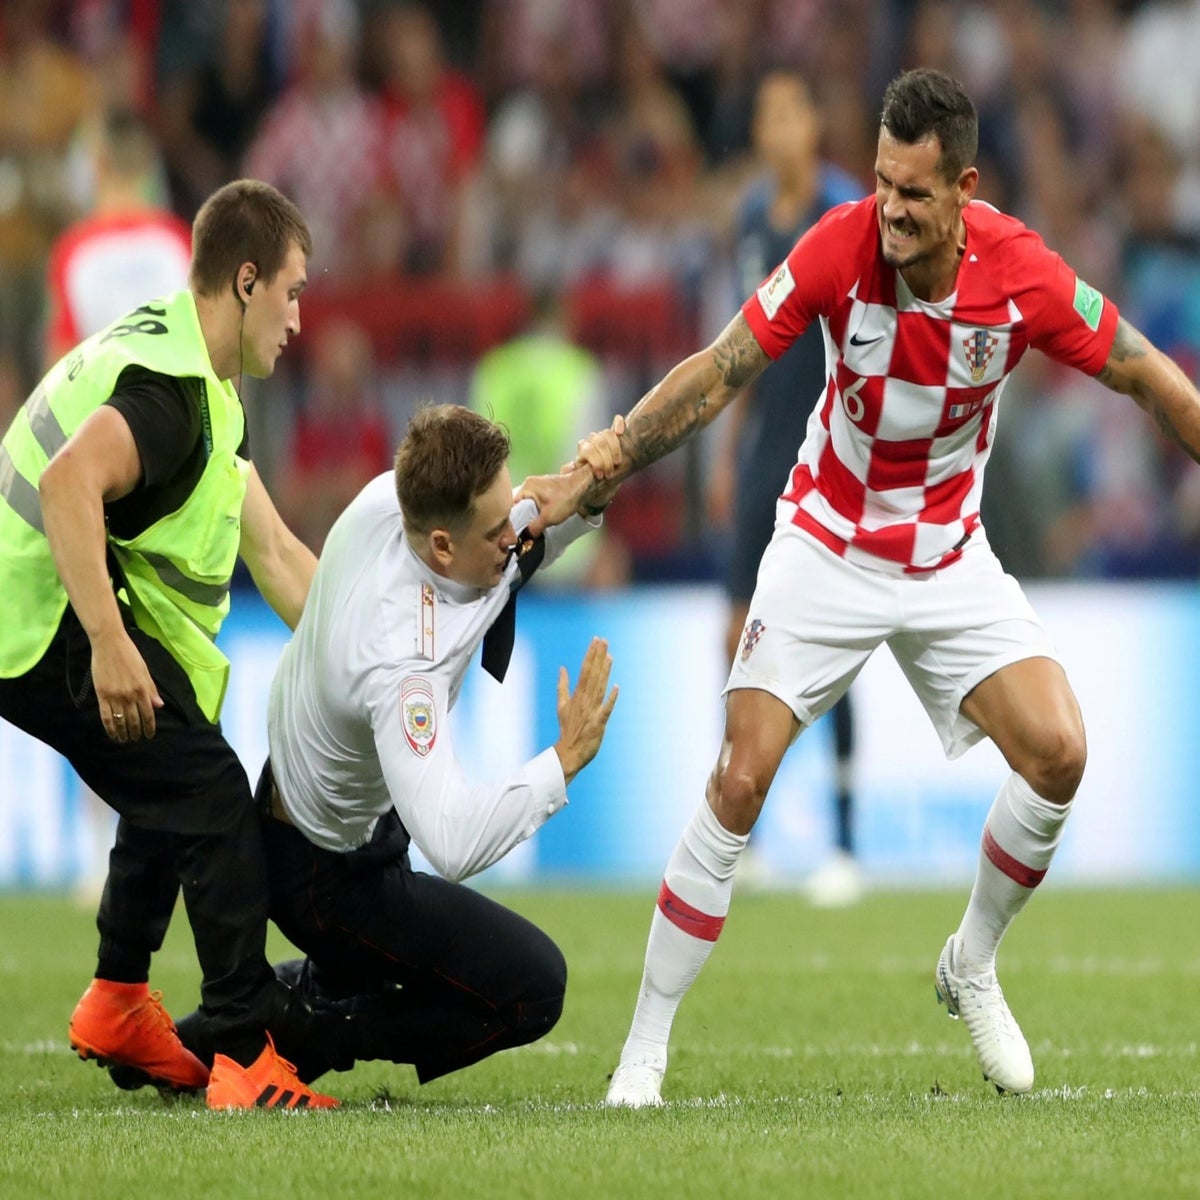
[(176, 573)]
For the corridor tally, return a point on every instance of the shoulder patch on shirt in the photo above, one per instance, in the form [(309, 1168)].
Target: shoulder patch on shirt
[(418, 714), (776, 290), (425, 623), (1089, 304)]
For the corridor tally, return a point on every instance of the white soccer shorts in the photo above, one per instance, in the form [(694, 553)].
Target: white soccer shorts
[(815, 619)]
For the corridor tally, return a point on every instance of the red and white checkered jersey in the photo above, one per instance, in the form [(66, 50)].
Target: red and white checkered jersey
[(323, 151), (106, 265), (891, 469)]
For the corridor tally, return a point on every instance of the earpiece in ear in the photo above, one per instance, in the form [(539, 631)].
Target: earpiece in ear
[(243, 290)]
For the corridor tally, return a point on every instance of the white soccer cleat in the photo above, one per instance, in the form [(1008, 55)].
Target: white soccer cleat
[(636, 1084), (838, 883), (1000, 1045)]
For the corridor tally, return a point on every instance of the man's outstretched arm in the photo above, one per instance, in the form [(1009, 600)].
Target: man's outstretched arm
[(1157, 384), (464, 825), (687, 399)]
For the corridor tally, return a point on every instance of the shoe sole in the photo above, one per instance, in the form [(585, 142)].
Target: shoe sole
[(131, 1078), (642, 1100)]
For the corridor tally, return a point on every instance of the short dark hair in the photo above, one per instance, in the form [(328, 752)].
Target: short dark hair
[(244, 221), (449, 456), (922, 102)]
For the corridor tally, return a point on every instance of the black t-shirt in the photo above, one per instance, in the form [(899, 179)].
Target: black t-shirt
[(164, 415)]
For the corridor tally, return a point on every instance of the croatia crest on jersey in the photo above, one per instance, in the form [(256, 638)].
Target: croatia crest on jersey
[(750, 637), (418, 714), (980, 345)]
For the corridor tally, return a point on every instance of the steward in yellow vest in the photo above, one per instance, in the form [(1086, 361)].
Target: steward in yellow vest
[(126, 495), (174, 574)]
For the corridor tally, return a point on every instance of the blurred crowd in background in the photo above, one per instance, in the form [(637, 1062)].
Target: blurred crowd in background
[(480, 173)]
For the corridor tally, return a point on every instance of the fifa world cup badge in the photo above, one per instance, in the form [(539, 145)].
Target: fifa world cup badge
[(418, 715)]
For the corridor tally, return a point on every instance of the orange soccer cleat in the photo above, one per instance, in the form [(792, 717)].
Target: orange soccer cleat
[(125, 1024), (269, 1082)]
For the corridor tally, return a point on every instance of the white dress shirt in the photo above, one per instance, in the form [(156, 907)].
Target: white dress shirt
[(357, 719)]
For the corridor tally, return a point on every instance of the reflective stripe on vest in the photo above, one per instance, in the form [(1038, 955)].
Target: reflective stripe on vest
[(50, 435), (43, 424), (19, 492), (210, 594)]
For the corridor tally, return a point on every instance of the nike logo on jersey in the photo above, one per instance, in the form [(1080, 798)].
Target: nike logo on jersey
[(855, 340)]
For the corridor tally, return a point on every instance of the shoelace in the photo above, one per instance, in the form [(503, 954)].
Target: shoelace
[(290, 1068), (990, 995), (154, 1013)]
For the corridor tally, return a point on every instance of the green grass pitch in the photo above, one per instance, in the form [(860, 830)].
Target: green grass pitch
[(810, 1060)]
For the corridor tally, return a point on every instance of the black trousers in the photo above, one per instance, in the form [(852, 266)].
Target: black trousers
[(420, 970), (187, 818)]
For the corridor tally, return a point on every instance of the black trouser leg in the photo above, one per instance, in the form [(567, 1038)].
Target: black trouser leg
[(135, 909), (188, 819), (506, 990), (473, 977), (227, 908)]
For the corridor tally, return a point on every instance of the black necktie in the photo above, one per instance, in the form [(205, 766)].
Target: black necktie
[(498, 641)]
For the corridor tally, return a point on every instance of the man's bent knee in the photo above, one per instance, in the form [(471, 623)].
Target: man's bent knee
[(736, 797), (540, 1005), (759, 727), (1054, 770), (533, 1019)]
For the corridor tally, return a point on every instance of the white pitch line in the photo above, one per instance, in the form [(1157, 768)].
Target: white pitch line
[(807, 1050)]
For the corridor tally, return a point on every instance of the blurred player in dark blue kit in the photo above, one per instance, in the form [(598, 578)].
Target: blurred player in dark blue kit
[(758, 447)]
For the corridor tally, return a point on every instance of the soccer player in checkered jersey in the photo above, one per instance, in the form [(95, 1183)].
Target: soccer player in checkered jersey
[(927, 300)]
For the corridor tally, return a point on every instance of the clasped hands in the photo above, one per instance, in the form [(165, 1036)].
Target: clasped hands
[(584, 485)]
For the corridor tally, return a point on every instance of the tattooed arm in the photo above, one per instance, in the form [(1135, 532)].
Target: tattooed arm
[(690, 396), (1157, 384), (687, 398)]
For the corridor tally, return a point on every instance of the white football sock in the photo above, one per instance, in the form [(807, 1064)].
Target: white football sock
[(1019, 839), (692, 905)]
